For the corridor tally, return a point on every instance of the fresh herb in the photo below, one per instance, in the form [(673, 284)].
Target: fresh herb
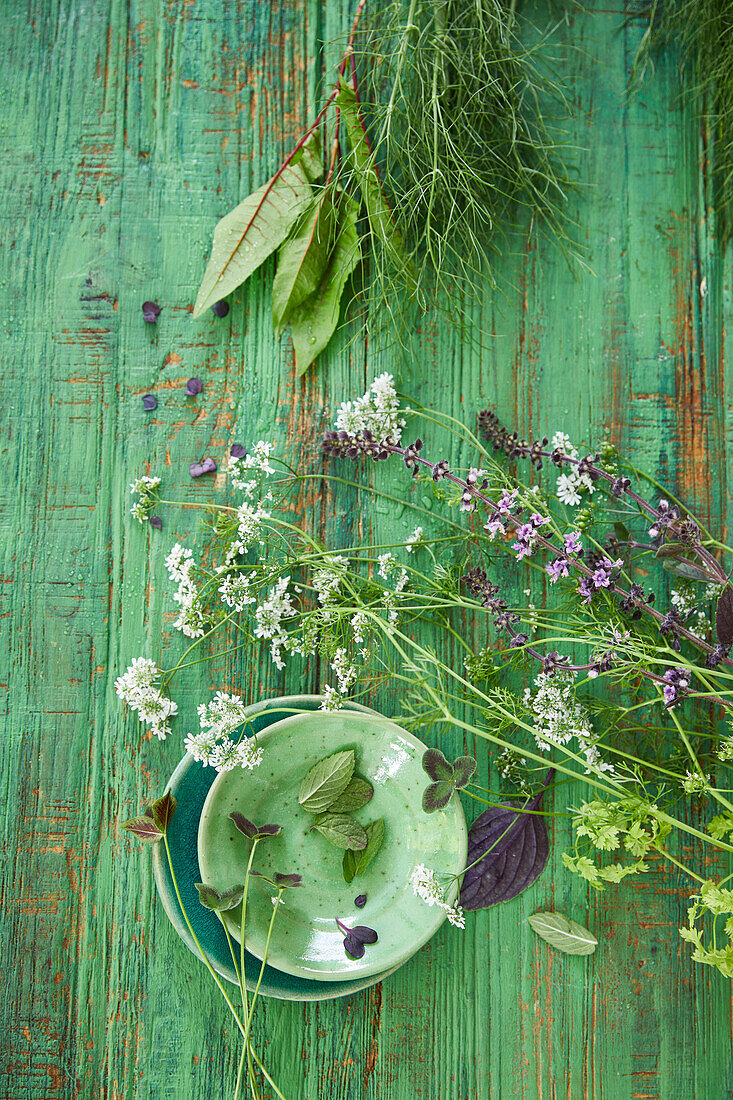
[(356, 938), (326, 782), (356, 862), (358, 793), (252, 831), (342, 830), (508, 849), (219, 900), (446, 777), (564, 934)]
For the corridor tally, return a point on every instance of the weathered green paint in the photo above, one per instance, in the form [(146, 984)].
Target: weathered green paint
[(128, 128)]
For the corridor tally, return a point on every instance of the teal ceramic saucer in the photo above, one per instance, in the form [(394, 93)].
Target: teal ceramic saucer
[(190, 783), (306, 940)]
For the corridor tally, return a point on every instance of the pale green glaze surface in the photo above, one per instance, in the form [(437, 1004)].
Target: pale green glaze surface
[(306, 939)]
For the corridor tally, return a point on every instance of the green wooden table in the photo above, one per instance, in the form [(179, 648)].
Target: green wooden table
[(128, 127)]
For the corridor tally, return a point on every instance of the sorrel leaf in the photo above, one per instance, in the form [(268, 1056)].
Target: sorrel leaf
[(356, 862), (342, 830), (326, 781), (436, 765), (463, 769), (144, 828), (247, 235), (302, 260), (163, 809), (437, 795), (356, 795), (378, 211), (314, 322), (724, 616), (511, 847), (219, 900), (566, 935)]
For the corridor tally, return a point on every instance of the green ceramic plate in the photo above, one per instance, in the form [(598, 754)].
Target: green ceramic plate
[(306, 940)]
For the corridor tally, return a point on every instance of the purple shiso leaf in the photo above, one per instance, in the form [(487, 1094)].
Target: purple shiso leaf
[(149, 402), (285, 882), (518, 848), (194, 386), (364, 934)]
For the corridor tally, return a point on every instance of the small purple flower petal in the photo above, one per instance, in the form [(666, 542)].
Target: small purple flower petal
[(208, 466), (151, 312), (361, 901), (220, 308), (196, 469), (150, 402), (194, 386), (156, 522), (237, 450)]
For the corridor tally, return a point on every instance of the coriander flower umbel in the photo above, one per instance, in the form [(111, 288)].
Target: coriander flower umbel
[(234, 591), (138, 688), (425, 886), (258, 461), (147, 488), (413, 541), (191, 619), (269, 616), (376, 412), (224, 714)]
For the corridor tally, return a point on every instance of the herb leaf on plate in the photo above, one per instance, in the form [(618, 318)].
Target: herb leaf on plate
[(356, 863), (563, 933), (247, 235), (326, 780), (356, 795), (342, 830), (219, 900)]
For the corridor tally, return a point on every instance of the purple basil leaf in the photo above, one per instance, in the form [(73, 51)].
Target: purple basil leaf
[(724, 616), (437, 795), (237, 450), (463, 769), (287, 881), (151, 312), (353, 947), (144, 828), (436, 765), (517, 847), (156, 522), (360, 901), (364, 934), (194, 386), (149, 402), (220, 308)]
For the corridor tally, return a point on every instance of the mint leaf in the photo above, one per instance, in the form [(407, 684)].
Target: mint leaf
[(326, 781), (356, 795), (564, 934), (341, 830)]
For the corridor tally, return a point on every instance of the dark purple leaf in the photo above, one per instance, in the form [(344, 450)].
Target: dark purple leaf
[(436, 765), (463, 769), (361, 901), (220, 308), (156, 522), (354, 948), (437, 795), (252, 831), (237, 450), (365, 934), (194, 386), (144, 828), (149, 402), (286, 882), (724, 616), (162, 810), (515, 847), (151, 312)]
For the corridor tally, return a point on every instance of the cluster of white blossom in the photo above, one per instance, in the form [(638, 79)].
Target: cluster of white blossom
[(425, 885), (376, 412), (213, 746), (415, 540), (234, 590), (559, 718), (138, 687), (331, 699), (257, 462), (327, 579), (269, 616), (570, 485), (250, 519), (684, 599), (387, 565), (191, 619), (146, 488), (696, 783)]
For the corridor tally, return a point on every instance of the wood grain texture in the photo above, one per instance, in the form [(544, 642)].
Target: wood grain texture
[(128, 128)]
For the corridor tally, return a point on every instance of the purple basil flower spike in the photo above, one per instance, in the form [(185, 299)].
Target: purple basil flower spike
[(151, 312), (150, 402), (156, 522), (194, 386), (237, 450), (220, 308), (252, 831)]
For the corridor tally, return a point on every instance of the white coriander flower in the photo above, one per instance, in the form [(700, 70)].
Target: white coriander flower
[(250, 755), (201, 745), (345, 671), (387, 563), (456, 916), (331, 699), (694, 783), (414, 540), (144, 484), (376, 412), (359, 623), (146, 487), (425, 885), (138, 688), (224, 714), (234, 591), (225, 755), (561, 442), (328, 577)]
